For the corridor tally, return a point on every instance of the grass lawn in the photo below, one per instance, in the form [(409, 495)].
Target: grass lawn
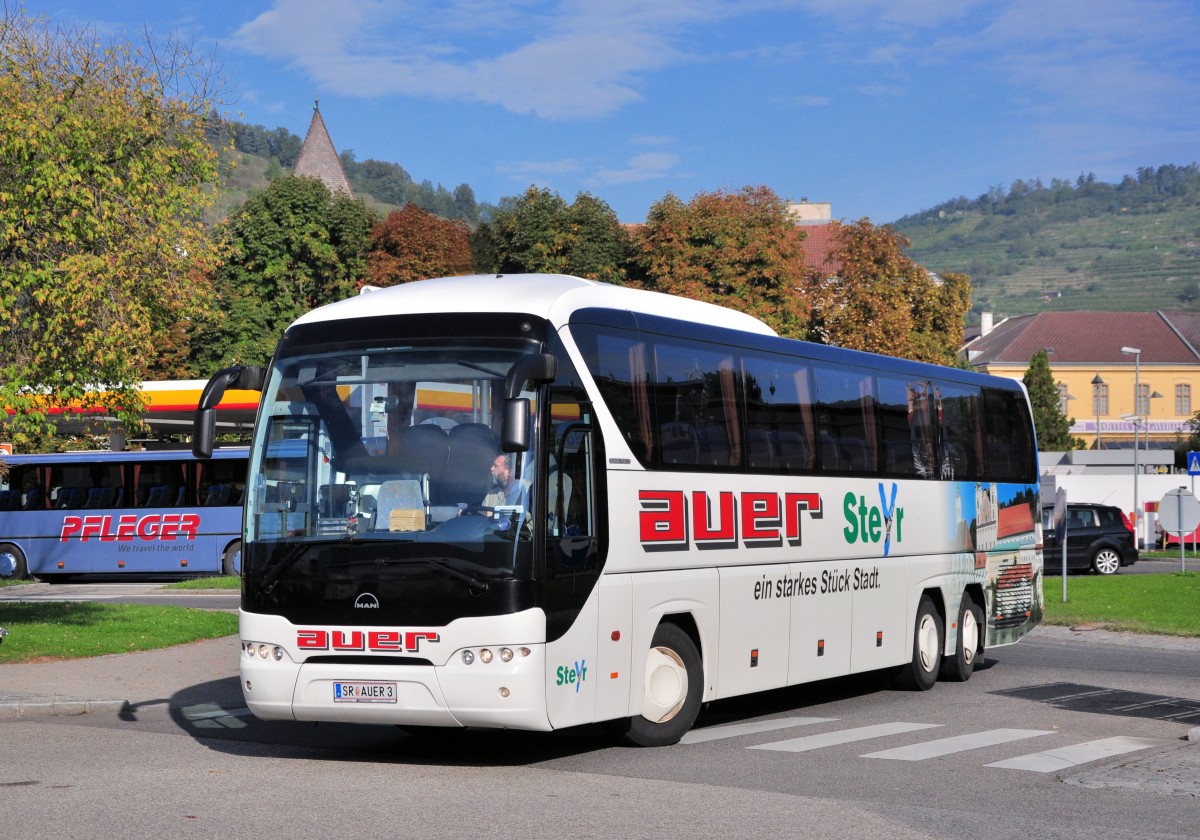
[(1164, 603), (74, 630), (222, 582)]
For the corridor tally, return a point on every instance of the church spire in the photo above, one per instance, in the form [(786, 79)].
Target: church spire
[(319, 159)]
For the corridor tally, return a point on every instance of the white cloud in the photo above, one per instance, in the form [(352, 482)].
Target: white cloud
[(649, 166), (572, 59)]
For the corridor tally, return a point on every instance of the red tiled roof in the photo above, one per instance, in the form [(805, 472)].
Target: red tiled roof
[(820, 245), (1016, 519), (1084, 338)]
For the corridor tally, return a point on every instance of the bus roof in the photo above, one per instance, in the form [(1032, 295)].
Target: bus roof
[(101, 456), (550, 296)]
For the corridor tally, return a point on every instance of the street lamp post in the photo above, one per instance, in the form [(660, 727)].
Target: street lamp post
[(1096, 383), (1137, 369)]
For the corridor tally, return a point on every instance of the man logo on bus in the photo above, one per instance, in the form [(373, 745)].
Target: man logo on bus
[(668, 522), (871, 524)]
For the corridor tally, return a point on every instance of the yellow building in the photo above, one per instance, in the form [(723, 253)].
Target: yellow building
[(1099, 361)]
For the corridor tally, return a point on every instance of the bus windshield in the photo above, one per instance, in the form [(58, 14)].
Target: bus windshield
[(395, 450)]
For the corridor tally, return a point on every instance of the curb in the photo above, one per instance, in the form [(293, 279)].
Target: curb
[(16, 708)]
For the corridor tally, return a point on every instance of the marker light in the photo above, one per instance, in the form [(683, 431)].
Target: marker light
[(524, 651)]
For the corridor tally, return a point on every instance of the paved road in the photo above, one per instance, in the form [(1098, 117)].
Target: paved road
[(150, 593)]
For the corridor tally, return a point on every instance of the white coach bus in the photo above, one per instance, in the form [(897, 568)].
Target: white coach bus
[(538, 501)]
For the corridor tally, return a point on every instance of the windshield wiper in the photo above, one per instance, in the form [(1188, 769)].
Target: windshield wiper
[(477, 587)]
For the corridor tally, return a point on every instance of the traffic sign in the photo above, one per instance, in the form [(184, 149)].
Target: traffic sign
[(1179, 512), (1193, 463)]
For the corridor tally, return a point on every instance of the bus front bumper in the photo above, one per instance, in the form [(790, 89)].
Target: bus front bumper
[(497, 694)]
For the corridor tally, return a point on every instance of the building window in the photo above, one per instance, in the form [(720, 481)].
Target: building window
[(1183, 400), (1142, 409), (1100, 400)]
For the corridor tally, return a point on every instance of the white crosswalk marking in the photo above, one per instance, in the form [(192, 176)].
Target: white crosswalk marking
[(843, 736), (959, 743), (1061, 759), (714, 733)]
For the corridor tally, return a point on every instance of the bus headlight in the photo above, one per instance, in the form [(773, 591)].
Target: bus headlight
[(468, 657), (506, 654), (485, 656)]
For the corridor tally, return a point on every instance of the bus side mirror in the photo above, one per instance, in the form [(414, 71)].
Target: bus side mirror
[(538, 368), (204, 426), (515, 433)]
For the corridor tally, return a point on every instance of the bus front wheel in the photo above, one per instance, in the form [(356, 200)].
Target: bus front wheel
[(922, 671), (959, 667), (12, 563), (674, 684)]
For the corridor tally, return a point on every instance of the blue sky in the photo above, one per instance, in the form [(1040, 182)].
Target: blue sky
[(881, 107)]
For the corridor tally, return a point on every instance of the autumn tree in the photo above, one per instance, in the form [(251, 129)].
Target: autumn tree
[(736, 249), (1052, 426), (104, 176), (541, 232), (293, 246), (879, 300), (412, 244)]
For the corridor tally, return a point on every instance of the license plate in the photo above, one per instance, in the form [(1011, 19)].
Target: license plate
[(364, 692)]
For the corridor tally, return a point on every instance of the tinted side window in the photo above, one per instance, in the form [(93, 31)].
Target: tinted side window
[(1009, 445), (695, 402), (846, 427), (962, 455), (780, 432), (620, 364)]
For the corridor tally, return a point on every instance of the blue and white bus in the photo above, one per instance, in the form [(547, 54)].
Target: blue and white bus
[(707, 510), (80, 513)]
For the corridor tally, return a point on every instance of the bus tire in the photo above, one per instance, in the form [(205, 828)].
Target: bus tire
[(674, 684), (13, 565), (229, 558), (921, 672), (959, 667)]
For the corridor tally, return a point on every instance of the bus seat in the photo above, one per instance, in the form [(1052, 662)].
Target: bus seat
[(680, 444), (31, 498), (333, 500), (428, 444), (118, 497), (791, 450), (469, 456), (70, 498), (400, 506), (758, 446), (6, 499), (855, 454), (715, 448), (218, 494), (98, 497), (160, 495), (180, 495)]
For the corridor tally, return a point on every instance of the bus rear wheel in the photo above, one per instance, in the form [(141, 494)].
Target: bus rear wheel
[(921, 672), (230, 558), (674, 683), (966, 652), (13, 565)]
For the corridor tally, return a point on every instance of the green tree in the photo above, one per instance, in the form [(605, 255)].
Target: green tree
[(737, 249), (1053, 427), (412, 244), (540, 232), (104, 175), (293, 246)]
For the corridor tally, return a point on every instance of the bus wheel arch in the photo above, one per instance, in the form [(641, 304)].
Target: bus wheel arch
[(929, 636), (231, 562), (13, 564), (958, 665), (673, 686)]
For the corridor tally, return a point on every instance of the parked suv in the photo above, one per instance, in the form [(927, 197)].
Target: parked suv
[(1099, 537)]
